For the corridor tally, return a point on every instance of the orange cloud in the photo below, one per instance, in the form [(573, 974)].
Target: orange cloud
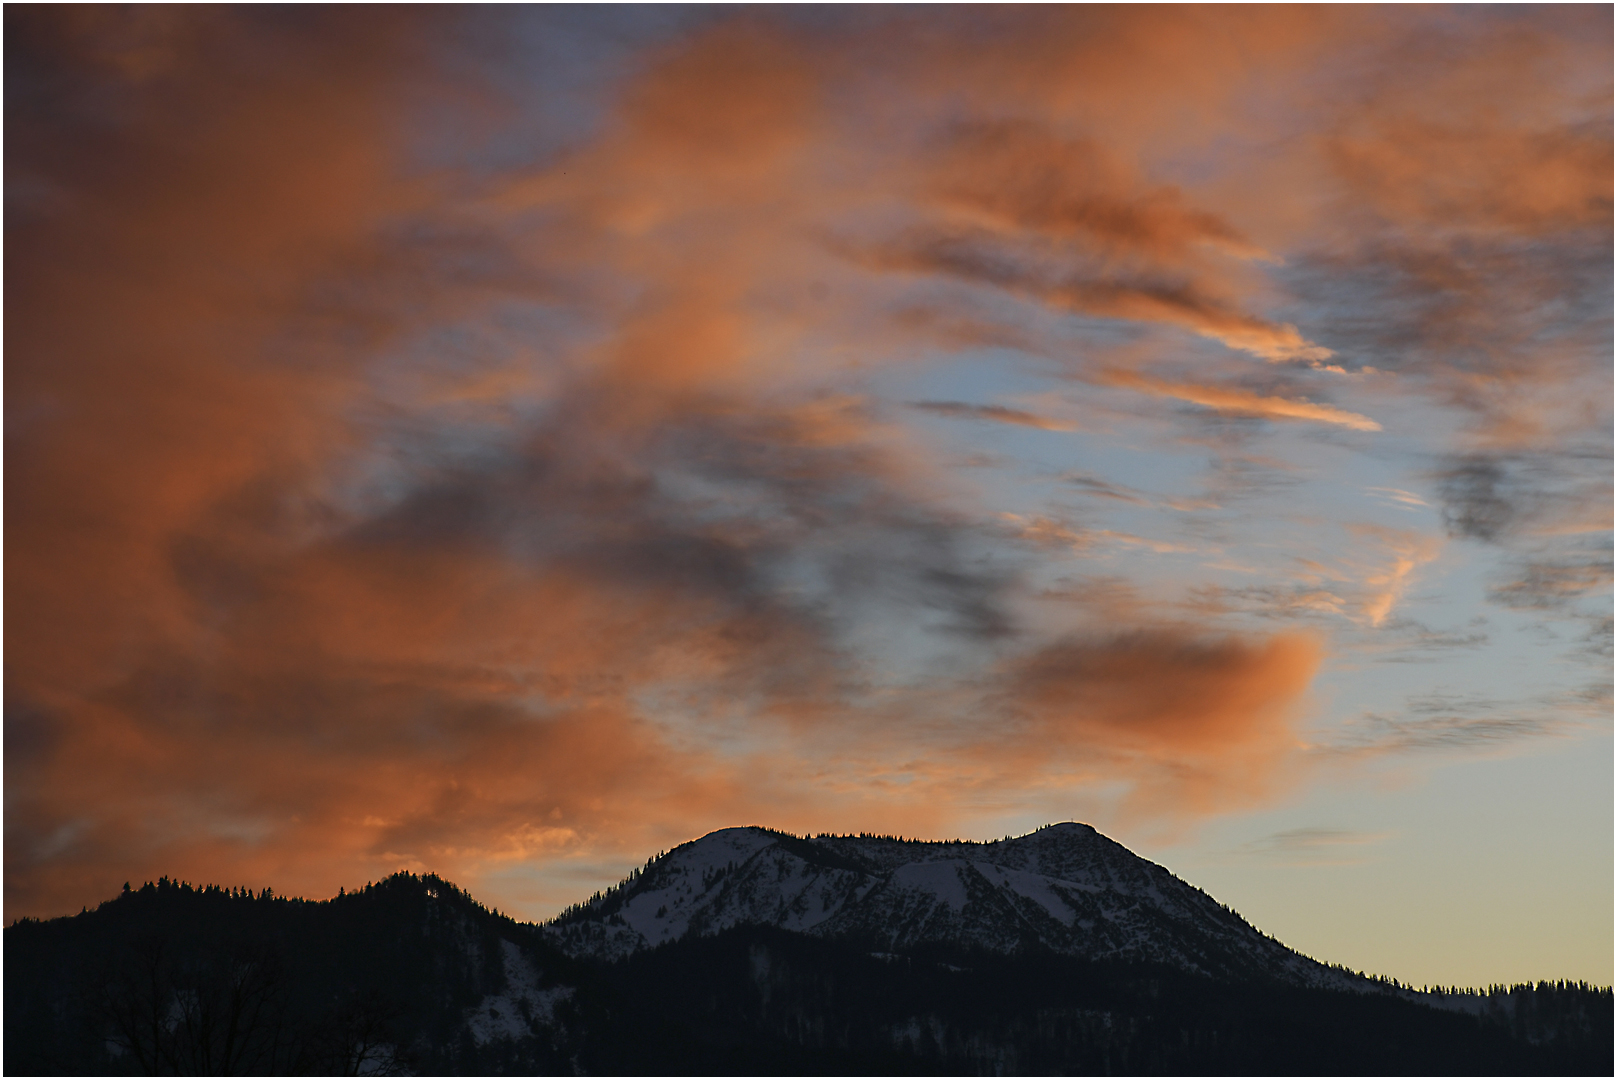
[(1201, 724), (1406, 553), (1242, 402), (1065, 222), (368, 511)]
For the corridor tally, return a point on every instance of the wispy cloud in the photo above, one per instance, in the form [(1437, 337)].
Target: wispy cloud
[(1285, 602), (1455, 723), (1397, 497), (1026, 209), (999, 414), (1409, 641), (1090, 485), (1047, 532), (408, 469), (1095, 487), (1314, 847), (1406, 552), (1364, 587), (1241, 402), (1548, 586)]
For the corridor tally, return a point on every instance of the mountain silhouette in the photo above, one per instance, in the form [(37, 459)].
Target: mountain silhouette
[(753, 951)]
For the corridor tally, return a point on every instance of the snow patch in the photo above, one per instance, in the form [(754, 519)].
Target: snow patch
[(1035, 887), (940, 878), (522, 1008), (717, 849)]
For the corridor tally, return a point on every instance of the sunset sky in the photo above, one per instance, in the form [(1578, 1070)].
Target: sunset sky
[(509, 442)]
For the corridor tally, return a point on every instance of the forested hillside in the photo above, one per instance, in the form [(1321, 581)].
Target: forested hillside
[(410, 975)]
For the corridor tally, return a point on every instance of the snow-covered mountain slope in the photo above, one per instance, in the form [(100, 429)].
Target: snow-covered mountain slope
[(1064, 889)]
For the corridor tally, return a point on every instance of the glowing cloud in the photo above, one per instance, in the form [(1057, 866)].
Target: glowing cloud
[(422, 455), (1242, 402)]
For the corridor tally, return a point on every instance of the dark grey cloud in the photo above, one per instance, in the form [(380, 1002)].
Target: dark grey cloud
[(1411, 641), (1287, 602), (1442, 310), (1233, 476), (998, 414), (1456, 722), (728, 508), (1478, 500), (1555, 585), (1597, 642), (1313, 846), (1090, 485), (1378, 734), (32, 732), (1506, 497), (1548, 512)]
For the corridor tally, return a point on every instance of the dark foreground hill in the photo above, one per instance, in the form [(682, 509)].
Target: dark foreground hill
[(413, 976)]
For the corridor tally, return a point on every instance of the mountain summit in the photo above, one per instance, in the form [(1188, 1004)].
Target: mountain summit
[(1064, 889)]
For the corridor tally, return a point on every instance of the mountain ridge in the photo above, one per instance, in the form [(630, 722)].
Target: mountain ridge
[(1064, 888), (412, 975)]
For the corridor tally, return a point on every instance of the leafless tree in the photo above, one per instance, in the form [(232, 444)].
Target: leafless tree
[(221, 1015)]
